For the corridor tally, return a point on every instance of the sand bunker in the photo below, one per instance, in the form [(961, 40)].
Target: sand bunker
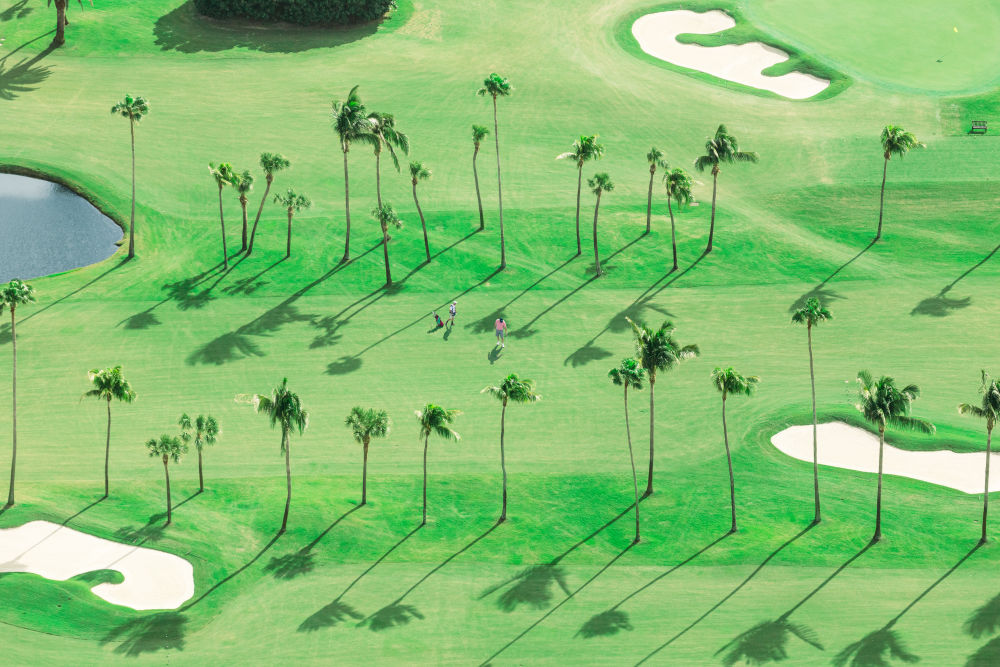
[(853, 448), (153, 579), (742, 63)]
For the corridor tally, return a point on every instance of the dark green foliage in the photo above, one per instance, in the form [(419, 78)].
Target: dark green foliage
[(303, 12)]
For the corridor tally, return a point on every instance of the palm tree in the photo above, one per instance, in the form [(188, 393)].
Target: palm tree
[(223, 175), (989, 409), (270, 163), (728, 381), (206, 432), (133, 108), (437, 420), (810, 315), (283, 409), (511, 389), (61, 20), (383, 128), (883, 404), (655, 159), (630, 374), (584, 149), (721, 149), (168, 448), (678, 185), (386, 216), (497, 86), (351, 123), (109, 385), (599, 184), (293, 203), (243, 184), (657, 350), (418, 172), (479, 133), (365, 424), (895, 141), (14, 294)]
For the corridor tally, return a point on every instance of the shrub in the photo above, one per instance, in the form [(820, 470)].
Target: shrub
[(303, 12)]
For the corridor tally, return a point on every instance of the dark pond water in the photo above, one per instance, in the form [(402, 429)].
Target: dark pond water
[(46, 228)]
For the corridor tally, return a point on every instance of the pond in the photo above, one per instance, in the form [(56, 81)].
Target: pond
[(46, 228)]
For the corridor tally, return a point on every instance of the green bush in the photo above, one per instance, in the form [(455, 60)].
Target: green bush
[(303, 12)]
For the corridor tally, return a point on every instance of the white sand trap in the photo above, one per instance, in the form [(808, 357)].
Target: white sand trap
[(742, 63), (153, 579), (844, 446)]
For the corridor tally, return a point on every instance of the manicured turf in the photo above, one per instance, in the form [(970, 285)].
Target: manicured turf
[(348, 585)]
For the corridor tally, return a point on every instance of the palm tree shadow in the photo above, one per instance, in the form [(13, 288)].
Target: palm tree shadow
[(987, 655), (300, 562), (18, 10), (148, 634), (820, 291), (23, 77), (940, 305), (985, 620), (586, 354), (232, 575)]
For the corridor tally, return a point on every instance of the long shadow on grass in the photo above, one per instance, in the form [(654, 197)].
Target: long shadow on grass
[(300, 562), (880, 647), (18, 10), (396, 613), (24, 76), (729, 595), (820, 291), (941, 305), (485, 323), (232, 575), (983, 622), (148, 634)]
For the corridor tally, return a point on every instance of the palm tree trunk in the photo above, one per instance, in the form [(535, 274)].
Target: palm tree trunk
[(288, 480), (711, 229), (597, 257), (652, 424), (496, 139), (631, 458), (579, 185), (288, 243), (107, 451), (423, 225), (13, 456), (812, 380), (347, 210), (423, 521), (131, 129), (201, 477), (243, 205), (60, 37), (222, 221), (986, 486), (364, 474), (385, 252), (673, 236), (166, 472), (881, 199), (503, 464), (479, 199), (378, 177), (729, 460), (260, 209), (878, 499), (649, 199)]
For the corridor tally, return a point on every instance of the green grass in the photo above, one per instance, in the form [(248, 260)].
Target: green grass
[(920, 305)]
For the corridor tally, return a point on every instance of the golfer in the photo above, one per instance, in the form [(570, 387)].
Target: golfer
[(501, 328), (451, 312)]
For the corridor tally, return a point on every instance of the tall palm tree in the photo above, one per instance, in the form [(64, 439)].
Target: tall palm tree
[(283, 409), (109, 385), (437, 420), (168, 448), (723, 148), (13, 294), (479, 133), (599, 184), (895, 141), (223, 175), (203, 431), (515, 390), (657, 350), (386, 216), (293, 203), (134, 109), (243, 184), (728, 382), (655, 159), (989, 410), (365, 424), (883, 404), (810, 315), (418, 172), (351, 123), (61, 20), (383, 128), (629, 374), (678, 185), (584, 149), (270, 163), (497, 86)]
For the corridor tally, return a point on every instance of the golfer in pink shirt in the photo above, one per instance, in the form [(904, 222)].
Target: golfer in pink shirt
[(501, 328)]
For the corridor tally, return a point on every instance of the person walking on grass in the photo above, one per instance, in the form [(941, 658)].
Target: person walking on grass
[(501, 328), (452, 309)]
